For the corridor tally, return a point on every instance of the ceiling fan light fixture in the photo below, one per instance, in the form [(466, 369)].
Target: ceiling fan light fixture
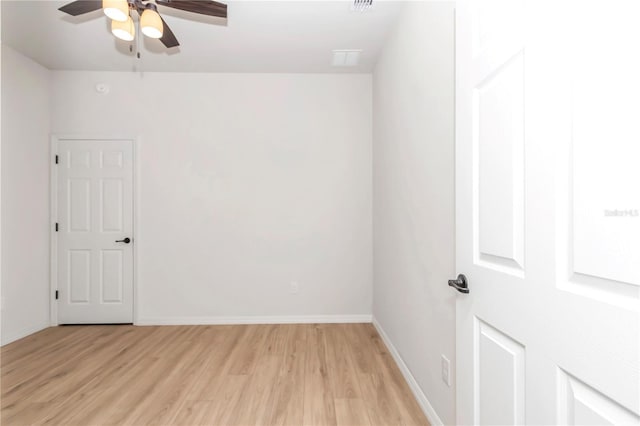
[(151, 23), (118, 10), (123, 30)]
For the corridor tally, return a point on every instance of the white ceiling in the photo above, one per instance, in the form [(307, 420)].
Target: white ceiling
[(259, 36)]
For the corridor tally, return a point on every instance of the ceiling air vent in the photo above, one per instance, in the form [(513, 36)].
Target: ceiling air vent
[(346, 58), (362, 5)]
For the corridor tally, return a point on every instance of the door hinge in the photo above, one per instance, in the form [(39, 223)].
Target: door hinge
[(56, 226), (57, 159), (56, 294)]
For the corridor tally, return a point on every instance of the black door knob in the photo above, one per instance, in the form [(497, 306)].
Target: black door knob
[(460, 284), (126, 240)]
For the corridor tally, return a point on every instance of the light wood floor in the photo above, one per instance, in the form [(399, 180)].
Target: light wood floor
[(211, 375)]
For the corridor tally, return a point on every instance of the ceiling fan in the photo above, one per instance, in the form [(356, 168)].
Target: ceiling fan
[(151, 23)]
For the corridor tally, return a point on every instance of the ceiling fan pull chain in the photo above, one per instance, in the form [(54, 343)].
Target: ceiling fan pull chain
[(137, 21)]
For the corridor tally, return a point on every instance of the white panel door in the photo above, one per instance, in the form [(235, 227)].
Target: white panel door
[(95, 231), (548, 212)]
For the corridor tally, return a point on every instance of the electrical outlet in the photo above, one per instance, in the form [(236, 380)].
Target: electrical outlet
[(446, 371), (294, 288)]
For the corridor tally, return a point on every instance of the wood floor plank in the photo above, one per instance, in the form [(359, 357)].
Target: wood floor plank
[(193, 413), (319, 402), (319, 408), (361, 347), (351, 412), (227, 401), (379, 400), (200, 402), (246, 353), (317, 350), (399, 391), (260, 394), (344, 376), (314, 374), (178, 367), (289, 389)]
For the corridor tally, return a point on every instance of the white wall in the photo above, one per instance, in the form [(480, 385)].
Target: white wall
[(1, 299), (25, 196), (247, 182), (414, 229)]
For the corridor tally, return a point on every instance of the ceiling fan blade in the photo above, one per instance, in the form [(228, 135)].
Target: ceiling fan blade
[(168, 38), (81, 7), (203, 7)]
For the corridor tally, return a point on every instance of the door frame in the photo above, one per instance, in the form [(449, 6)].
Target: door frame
[(53, 214)]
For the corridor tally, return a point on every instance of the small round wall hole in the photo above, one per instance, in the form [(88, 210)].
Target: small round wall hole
[(102, 88)]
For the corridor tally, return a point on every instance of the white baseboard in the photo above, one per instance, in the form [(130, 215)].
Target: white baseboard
[(17, 335), (304, 319), (424, 403)]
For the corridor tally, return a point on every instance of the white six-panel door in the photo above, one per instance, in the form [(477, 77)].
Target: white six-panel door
[(548, 211), (94, 212)]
